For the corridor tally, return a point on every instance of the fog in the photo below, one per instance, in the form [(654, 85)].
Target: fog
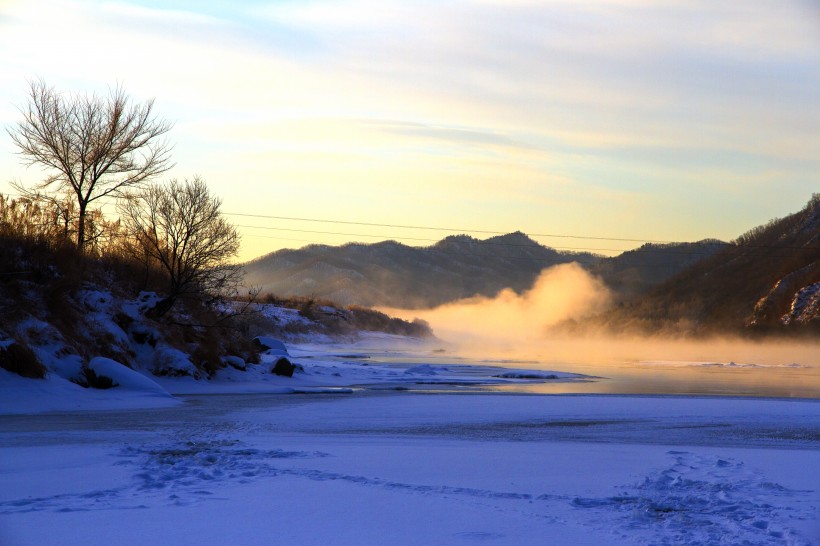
[(518, 326)]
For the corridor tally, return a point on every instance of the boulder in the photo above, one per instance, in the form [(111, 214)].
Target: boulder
[(18, 358), (284, 367), (235, 362), (271, 345)]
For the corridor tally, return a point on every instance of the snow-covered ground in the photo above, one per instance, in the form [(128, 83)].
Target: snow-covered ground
[(378, 442)]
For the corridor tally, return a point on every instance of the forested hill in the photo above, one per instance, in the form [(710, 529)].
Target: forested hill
[(767, 279)]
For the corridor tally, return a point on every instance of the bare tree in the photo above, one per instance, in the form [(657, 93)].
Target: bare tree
[(92, 147), (179, 228)]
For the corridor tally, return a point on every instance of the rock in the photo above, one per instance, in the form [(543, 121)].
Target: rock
[(271, 345), (283, 367), (235, 362), (19, 359)]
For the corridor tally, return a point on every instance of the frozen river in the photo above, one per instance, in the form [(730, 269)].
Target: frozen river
[(391, 446), (409, 468)]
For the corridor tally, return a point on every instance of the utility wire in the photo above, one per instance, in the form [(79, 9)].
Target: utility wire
[(465, 231), (530, 259), (656, 250), (435, 228), (425, 239), (487, 232)]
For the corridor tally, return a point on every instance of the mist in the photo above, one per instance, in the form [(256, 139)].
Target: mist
[(560, 292), (514, 326)]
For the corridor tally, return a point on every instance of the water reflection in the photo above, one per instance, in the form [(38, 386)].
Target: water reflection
[(659, 377), (641, 378)]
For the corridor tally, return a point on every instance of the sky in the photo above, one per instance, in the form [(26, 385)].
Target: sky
[(621, 119)]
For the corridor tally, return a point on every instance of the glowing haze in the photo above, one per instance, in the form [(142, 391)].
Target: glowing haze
[(509, 320), (623, 118), (518, 326)]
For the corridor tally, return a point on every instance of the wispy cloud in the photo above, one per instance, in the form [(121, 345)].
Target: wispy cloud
[(455, 135), (570, 103)]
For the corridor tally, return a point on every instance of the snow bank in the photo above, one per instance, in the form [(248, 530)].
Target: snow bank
[(19, 395), (173, 362), (272, 345), (124, 377)]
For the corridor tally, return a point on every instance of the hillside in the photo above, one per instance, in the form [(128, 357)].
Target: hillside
[(75, 321), (636, 272), (766, 280), (393, 274)]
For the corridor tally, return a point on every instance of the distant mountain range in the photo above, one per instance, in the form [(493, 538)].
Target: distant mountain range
[(393, 274), (768, 278), (396, 275)]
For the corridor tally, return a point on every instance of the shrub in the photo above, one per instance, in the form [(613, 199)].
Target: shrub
[(91, 380)]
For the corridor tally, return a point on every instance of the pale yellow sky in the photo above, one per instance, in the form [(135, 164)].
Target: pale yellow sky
[(675, 120)]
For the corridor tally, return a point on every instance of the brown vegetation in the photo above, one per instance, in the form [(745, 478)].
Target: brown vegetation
[(42, 272), (92, 147)]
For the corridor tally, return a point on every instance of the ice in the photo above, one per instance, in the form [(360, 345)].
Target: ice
[(376, 442), (424, 369), (405, 468)]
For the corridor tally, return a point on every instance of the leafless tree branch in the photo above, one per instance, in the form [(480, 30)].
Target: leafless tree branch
[(180, 228), (90, 146)]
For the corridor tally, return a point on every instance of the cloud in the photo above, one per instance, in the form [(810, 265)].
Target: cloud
[(164, 17), (456, 135), (486, 103)]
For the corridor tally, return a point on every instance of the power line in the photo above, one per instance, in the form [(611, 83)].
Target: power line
[(425, 239), (543, 260), (535, 244), (436, 228), (105, 202), (388, 237)]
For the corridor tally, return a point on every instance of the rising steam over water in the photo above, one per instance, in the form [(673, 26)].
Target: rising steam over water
[(518, 326)]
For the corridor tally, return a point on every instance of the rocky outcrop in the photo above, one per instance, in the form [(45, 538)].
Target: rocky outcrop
[(805, 307)]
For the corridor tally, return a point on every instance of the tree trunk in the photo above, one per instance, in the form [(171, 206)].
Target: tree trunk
[(81, 228)]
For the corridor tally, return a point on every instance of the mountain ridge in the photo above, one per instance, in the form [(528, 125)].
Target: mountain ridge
[(392, 274)]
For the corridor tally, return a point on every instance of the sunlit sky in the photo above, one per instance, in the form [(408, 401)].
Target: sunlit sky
[(674, 120)]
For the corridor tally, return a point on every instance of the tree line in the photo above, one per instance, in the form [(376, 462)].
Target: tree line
[(92, 147)]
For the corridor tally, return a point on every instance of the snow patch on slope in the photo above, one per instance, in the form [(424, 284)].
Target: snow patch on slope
[(805, 306)]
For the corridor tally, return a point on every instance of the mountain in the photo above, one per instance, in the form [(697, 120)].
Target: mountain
[(393, 274), (459, 266), (767, 279)]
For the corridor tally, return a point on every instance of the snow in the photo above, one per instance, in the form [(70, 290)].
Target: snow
[(173, 362), (272, 345), (19, 396), (805, 306), (407, 468), (383, 440), (124, 377)]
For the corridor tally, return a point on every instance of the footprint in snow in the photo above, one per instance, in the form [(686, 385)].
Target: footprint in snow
[(704, 500)]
